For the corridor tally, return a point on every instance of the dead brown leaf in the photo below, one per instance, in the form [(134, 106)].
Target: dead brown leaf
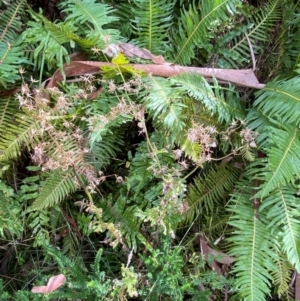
[(53, 284)]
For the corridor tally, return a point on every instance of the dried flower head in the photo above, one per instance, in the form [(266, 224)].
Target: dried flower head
[(178, 153), (205, 136)]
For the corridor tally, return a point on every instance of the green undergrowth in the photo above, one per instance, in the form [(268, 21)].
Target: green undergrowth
[(132, 186)]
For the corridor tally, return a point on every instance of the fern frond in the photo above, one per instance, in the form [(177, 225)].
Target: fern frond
[(224, 103), (96, 264), (17, 134), (282, 211), (260, 26), (209, 190), (92, 16), (66, 264), (151, 22), (52, 42), (164, 103), (257, 120), (11, 210), (280, 100), (11, 59), (99, 129), (248, 153), (10, 24), (124, 15), (55, 216), (227, 58), (191, 150), (11, 46), (282, 274), (102, 151), (70, 246), (287, 43), (194, 24), (131, 224), (283, 164), (251, 246), (291, 50), (8, 106), (56, 188), (140, 175), (125, 215), (141, 180), (49, 38)]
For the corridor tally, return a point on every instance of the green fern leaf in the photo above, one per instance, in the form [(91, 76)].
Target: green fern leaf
[(56, 188), (151, 22), (125, 215), (282, 274), (191, 150), (282, 210), (19, 133), (99, 130), (124, 15), (257, 120), (247, 153), (251, 246), (208, 190), (11, 210), (194, 24), (282, 148), (11, 46), (8, 107), (259, 29), (91, 17), (214, 98), (12, 57), (102, 151), (141, 179), (96, 264), (49, 38), (165, 103), (10, 24), (280, 100), (288, 56)]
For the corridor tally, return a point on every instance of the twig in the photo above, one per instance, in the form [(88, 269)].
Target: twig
[(252, 53)]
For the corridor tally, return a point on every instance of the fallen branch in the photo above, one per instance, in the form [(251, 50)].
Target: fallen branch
[(243, 78)]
